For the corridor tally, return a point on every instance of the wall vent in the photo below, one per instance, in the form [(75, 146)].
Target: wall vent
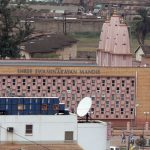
[(10, 129)]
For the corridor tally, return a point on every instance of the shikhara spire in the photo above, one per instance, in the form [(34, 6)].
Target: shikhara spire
[(114, 44)]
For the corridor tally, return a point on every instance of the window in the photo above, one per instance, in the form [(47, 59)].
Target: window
[(107, 103), (93, 82), (63, 96), (73, 97), (58, 89), (68, 104), (69, 135), (113, 97), (132, 83), (23, 81), (97, 116), (92, 110), (97, 104), (102, 110), (127, 116), (28, 88), (88, 89), (122, 110), (3, 81), (112, 110), (103, 97), (14, 81), (18, 89), (108, 89), (44, 82), (78, 89), (113, 83), (64, 82), (39, 89), (123, 83), (127, 104), (83, 95), (73, 82), (48, 89), (93, 97), (132, 111), (103, 82), (122, 96), (20, 107), (98, 89), (117, 103), (127, 90), (33, 81), (29, 129), (117, 90), (83, 82), (44, 107), (54, 82), (68, 89), (132, 97)]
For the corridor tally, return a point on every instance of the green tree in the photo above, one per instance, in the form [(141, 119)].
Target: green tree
[(141, 141), (142, 25), (12, 30)]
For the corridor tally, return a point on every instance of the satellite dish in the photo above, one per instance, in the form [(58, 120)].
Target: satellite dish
[(84, 106)]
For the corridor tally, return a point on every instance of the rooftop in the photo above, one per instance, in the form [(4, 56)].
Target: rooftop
[(146, 49), (52, 146), (45, 63), (47, 43)]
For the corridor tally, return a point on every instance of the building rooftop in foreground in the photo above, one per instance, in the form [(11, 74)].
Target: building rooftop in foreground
[(52, 146), (46, 63)]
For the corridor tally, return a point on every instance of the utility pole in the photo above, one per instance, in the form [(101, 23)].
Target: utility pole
[(64, 23)]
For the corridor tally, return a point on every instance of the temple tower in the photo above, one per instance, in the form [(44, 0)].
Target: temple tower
[(114, 44)]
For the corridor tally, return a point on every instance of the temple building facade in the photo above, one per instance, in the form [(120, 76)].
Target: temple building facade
[(115, 91), (115, 86)]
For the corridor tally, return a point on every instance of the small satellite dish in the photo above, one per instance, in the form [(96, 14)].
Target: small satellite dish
[(84, 106)]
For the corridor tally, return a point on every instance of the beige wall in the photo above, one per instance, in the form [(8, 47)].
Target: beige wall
[(56, 26), (69, 52), (25, 55), (65, 54), (138, 54)]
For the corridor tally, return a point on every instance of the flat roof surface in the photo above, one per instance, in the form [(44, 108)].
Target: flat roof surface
[(45, 63), (51, 146)]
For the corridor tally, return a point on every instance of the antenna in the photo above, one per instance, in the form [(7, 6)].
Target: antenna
[(84, 107)]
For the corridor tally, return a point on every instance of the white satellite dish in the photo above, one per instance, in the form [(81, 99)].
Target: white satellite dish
[(84, 106)]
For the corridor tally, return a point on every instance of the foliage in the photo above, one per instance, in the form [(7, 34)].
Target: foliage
[(141, 141), (12, 30), (142, 25)]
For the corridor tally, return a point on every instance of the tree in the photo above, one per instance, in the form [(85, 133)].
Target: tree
[(12, 30), (141, 141), (142, 26)]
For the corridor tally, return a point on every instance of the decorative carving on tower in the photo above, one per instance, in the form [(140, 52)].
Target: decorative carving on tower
[(114, 44)]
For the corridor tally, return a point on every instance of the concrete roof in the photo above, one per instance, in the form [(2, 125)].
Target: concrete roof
[(46, 63), (145, 49), (52, 146), (48, 43)]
